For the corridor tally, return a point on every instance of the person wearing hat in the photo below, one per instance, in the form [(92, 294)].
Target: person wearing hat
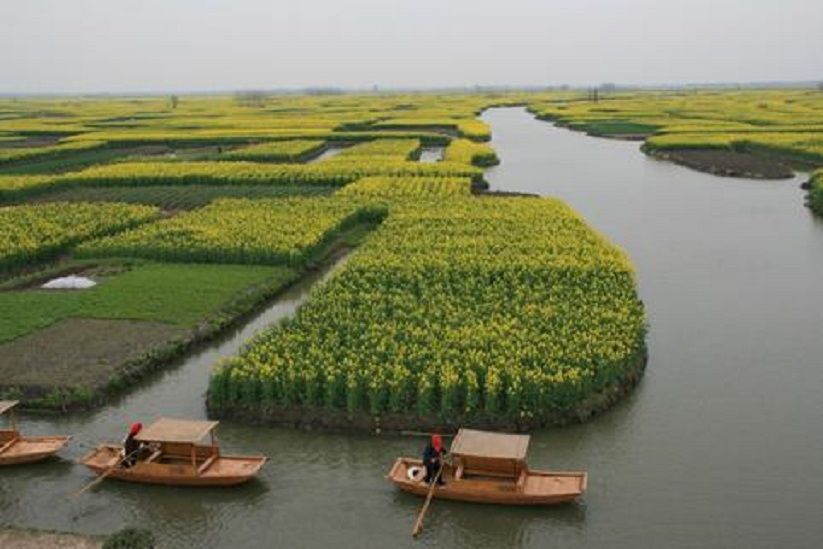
[(132, 446), (433, 459)]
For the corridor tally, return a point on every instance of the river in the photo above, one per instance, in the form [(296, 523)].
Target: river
[(721, 444)]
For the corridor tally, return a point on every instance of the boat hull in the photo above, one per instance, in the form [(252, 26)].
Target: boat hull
[(222, 471), (538, 488), (32, 449)]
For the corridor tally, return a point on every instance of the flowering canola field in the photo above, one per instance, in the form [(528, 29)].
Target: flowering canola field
[(393, 188), (455, 308), (32, 232), (269, 231), (276, 151), (251, 173), (468, 310)]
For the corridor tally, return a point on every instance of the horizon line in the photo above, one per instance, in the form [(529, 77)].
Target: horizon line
[(472, 88)]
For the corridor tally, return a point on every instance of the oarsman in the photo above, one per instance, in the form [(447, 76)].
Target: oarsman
[(433, 456), (132, 446)]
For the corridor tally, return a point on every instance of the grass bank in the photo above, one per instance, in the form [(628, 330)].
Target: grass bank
[(53, 358), (815, 192)]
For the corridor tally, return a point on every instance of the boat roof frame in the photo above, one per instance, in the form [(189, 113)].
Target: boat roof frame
[(184, 431), (490, 445), (6, 405)]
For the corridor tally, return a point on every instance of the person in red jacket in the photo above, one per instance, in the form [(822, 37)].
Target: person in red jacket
[(132, 446), (433, 456)]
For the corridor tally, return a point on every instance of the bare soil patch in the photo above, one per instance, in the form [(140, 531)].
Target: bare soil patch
[(14, 538), (78, 352), (727, 163), (42, 140), (145, 150)]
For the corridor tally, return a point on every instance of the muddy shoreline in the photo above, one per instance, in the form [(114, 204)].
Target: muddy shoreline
[(320, 419), (12, 537), (752, 164), (486, 193), (725, 163)]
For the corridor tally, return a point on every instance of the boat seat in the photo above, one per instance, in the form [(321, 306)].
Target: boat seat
[(7, 435), (521, 480), (458, 473), (7, 445), (182, 451), (206, 464), (488, 473)]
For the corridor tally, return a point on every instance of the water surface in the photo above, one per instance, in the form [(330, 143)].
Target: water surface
[(431, 154), (720, 446)]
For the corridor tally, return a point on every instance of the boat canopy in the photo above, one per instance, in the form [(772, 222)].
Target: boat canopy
[(176, 430), (6, 405), (470, 443)]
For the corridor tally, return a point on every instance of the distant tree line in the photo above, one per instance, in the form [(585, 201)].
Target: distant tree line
[(251, 98)]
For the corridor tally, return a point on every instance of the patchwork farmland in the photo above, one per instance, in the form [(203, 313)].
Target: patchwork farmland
[(139, 191)]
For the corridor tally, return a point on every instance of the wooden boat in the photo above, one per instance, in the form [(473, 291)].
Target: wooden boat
[(490, 468), (16, 448), (173, 456)]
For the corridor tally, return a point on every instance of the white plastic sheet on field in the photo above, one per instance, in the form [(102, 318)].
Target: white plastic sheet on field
[(70, 282)]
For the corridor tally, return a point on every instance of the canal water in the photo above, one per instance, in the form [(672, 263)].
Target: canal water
[(721, 445), (330, 152), (431, 154)]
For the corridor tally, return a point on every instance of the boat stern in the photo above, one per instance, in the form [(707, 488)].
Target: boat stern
[(101, 458), (407, 474)]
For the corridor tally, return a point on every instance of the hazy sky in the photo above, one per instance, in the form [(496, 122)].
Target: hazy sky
[(159, 45)]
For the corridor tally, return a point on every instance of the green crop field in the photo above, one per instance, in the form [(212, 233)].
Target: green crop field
[(816, 192), (14, 187), (179, 294)]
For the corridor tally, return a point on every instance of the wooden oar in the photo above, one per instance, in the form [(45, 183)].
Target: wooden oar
[(421, 434), (418, 526), (105, 474)]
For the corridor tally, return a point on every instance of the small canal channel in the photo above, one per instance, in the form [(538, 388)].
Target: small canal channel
[(329, 152), (431, 154), (721, 445)]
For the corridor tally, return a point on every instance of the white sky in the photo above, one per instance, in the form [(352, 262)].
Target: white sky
[(164, 45)]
